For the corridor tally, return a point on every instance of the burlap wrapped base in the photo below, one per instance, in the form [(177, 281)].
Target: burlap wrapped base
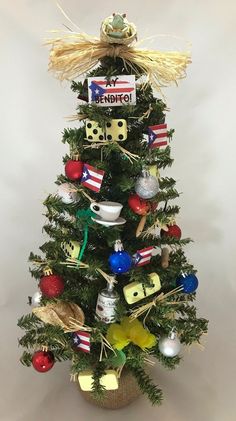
[(127, 392)]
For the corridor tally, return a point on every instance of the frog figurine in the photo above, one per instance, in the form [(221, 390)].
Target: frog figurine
[(117, 26)]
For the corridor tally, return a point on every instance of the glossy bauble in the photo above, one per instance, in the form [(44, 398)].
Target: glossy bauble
[(138, 205), (67, 193), (120, 262), (173, 231), (43, 361), (51, 286), (189, 283), (74, 169), (146, 185), (169, 345), (36, 299)]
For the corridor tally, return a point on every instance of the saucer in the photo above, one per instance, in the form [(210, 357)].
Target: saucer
[(99, 220)]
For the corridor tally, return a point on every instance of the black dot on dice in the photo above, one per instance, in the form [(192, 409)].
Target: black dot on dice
[(101, 137), (90, 137), (89, 125), (95, 131), (109, 137), (121, 136), (108, 124), (135, 294), (120, 123)]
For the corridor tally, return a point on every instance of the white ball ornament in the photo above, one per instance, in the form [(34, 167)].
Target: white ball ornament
[(147, 185), (67, 193), (36, 299), (169, 345)]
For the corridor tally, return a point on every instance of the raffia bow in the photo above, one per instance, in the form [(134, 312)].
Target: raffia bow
[(74, 54)]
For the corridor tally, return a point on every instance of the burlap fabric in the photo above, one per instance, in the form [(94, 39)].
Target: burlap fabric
[(127, 392)]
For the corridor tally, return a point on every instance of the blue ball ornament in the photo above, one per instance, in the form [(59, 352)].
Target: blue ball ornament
[(120, 262), (188, 282)]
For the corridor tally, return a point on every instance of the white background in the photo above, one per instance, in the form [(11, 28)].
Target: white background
[(33, 110)]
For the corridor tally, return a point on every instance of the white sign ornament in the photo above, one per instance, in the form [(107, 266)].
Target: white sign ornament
[(112, 92)]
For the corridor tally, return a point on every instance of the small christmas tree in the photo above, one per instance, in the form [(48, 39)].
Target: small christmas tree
[(115, 287)]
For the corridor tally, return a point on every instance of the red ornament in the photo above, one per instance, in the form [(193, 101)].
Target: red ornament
[(43, 361), (173, 231), (153, 206), (51, 286), (138, 205), (74, 169)]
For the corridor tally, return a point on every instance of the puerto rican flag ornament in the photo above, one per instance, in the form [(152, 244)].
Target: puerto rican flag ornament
[(157, 136), (112, 92), (81, 340), (143, 257), (92, 178)]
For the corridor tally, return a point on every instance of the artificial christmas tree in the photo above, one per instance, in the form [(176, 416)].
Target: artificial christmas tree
[(116, 289)]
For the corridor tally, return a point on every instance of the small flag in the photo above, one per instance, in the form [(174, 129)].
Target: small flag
[(92, 178), (143, 257), (81, 340), (157, 136)]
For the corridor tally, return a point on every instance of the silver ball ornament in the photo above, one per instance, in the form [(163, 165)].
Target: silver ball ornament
[(169, 345), (147, 185), (66, 192), (36, 299)]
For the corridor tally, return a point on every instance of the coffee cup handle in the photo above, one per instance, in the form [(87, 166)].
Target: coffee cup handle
[(95, 208)]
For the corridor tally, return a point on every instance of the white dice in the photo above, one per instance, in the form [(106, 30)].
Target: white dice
[(94, 132), (116, 129)]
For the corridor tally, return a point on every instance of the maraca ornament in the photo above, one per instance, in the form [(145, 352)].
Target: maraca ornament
[(138, 205)]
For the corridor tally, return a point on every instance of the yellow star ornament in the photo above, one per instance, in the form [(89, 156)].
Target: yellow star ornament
[(120, 335)]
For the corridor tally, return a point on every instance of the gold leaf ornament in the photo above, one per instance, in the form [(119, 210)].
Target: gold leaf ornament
[(60, 313)]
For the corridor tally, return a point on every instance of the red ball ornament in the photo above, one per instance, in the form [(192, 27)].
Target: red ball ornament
[(74, 169), (51, 286), (173, 231), (43, 361), (138, 205)]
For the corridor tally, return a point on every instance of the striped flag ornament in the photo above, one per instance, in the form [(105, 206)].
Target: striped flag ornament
[(143, 257), (116, 91), (92, 177), (81, 340), (157, 136)]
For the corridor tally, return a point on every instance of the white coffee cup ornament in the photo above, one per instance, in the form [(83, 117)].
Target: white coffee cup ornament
[(109, 211)]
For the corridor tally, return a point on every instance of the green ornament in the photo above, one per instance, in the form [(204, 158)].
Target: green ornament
[(118, 359), (84, 215)]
